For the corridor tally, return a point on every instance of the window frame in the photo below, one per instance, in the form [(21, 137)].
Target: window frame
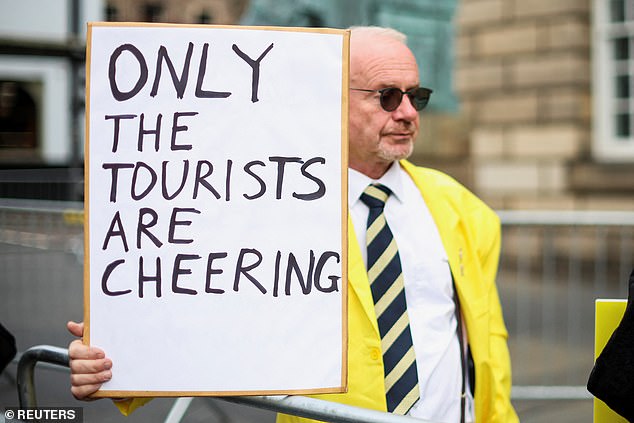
[(606, 145), (55, 119)]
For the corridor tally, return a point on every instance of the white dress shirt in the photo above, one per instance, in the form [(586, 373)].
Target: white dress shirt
[(428, 291)]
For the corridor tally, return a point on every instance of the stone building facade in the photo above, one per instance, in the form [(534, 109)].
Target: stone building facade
[(524, 76)]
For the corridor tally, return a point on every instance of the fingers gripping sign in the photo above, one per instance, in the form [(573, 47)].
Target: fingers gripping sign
[(89, 366)]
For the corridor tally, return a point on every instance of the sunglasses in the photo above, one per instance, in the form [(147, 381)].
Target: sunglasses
[(391, 97)]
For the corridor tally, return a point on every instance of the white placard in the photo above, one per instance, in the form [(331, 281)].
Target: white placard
[(216, 207)]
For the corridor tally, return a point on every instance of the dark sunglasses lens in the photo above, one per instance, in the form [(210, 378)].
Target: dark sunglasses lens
[(391, 99), (419, 98)]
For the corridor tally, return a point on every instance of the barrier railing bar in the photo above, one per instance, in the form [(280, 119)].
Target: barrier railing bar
[(178, 410), (40, 206), (313, 408), (550, 392), (26, 370), (296, 405), (508, 217), (566, 217)]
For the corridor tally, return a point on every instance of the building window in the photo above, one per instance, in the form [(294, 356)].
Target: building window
[(18, 117), (613, 73)]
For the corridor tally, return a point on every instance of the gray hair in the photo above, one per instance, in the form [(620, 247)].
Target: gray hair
[(378, 31)]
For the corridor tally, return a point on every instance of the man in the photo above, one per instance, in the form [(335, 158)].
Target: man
[(433, 289)]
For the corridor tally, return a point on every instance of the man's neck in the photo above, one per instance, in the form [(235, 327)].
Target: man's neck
[(371, 170)]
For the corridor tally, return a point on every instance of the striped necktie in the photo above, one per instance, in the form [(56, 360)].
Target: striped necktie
[(386, 283)]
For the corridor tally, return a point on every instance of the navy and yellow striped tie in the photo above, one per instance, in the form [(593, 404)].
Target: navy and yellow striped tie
[(386, 283)]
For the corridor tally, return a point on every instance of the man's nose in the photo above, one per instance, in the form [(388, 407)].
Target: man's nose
[(405, 110)]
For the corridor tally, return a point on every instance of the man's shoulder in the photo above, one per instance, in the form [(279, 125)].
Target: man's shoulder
[(436, 185), (431, 176)]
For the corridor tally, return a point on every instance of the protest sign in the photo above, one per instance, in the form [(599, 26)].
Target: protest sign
[(216, 208)]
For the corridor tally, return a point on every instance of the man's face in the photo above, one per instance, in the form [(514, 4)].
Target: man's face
[(378, 137)]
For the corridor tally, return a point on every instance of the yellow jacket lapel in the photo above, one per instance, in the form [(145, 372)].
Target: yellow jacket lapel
[(358, 277)]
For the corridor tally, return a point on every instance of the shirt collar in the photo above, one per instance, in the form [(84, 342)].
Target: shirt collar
[(357, 182)]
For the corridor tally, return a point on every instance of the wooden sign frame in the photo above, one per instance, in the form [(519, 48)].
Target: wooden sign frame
[(107, 230)]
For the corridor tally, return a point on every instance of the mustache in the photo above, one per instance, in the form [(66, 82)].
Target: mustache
[(404, 128)]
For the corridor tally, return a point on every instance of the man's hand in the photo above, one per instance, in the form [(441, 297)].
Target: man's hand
[(89, 367)]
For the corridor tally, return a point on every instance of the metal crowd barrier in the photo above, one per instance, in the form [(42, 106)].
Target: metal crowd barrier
[(296, 405), (553, 265)]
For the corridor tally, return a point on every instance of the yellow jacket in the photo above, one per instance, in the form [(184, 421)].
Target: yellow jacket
[(470, 232)]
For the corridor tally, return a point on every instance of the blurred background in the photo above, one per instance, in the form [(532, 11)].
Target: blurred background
[(533, 109)]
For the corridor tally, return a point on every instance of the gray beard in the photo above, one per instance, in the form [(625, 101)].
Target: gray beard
[(391, 156)]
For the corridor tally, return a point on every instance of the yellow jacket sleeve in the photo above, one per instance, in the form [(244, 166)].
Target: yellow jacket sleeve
[(127, 405)]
